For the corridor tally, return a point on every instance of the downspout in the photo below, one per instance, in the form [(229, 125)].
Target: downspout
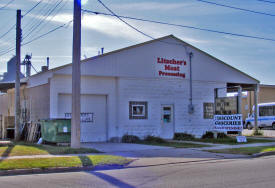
[(190, 106)]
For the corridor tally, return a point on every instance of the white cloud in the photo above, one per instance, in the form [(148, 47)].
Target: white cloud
[(151, 6), (4, 43)]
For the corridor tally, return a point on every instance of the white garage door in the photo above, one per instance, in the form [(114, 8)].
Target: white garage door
[(93, 115)]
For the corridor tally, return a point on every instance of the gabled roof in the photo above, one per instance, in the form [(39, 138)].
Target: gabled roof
[(152, 41)]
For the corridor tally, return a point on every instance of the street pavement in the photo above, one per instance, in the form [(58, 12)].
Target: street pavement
[(155, 166), (207, 173)]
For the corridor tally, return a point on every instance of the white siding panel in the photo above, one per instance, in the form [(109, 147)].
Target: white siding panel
[(95, 131)]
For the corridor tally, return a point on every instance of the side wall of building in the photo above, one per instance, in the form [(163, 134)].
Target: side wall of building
[(39, 102), (157, 92)]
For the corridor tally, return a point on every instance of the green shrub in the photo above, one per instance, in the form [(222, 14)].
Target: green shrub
[(154, 139), (130, 139), (257, 132), (208, 135), (222, 136), (183, 136)]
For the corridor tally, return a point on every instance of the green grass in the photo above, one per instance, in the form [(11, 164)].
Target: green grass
[(228, 140), (42, 163), (21, 149), (245, 150), (174, 144)]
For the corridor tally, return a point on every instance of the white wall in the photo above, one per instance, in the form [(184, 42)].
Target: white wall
[(164, 91), (62, 84), (140, 62)]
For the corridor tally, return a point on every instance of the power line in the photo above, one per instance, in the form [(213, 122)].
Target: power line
[(6, 4), (47, 15), (32, 8), (124, 21), (60, 8), (12, 27), (34, 68), (40, 36), (237, 8), (182, 26), (266, 1)]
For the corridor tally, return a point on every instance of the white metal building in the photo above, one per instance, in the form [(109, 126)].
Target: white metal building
[(139, 90)]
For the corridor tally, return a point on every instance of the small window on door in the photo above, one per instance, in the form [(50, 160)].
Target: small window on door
[(167, 114)]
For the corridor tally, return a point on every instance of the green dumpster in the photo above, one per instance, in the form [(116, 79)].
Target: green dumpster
[(56, 130)]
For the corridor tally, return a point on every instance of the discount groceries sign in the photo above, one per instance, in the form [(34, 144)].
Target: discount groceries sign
[(228, 122)]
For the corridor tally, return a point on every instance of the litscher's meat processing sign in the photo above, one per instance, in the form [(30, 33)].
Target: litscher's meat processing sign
[(228, 122), (171, 67)]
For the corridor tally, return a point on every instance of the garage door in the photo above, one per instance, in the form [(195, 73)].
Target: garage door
[(93, 115)]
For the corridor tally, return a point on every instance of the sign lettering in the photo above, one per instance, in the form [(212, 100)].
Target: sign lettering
[(170, 67)]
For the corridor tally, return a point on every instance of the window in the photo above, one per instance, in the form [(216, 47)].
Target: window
[(208, 110), (267, 111), (167, 114), (226, 105), (138, 110)]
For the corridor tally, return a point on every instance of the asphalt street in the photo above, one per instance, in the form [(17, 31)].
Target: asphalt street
[(206, 173)]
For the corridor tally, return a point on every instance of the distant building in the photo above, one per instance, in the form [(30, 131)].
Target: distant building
[(266, 94), (8, 79)]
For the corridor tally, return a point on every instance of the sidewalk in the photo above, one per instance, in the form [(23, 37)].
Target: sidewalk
[(225, 146)]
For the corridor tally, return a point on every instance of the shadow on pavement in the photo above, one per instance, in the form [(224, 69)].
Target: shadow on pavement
[(114, 181)]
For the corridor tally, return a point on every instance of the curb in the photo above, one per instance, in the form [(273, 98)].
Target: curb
[(262, 154), (45, 170)]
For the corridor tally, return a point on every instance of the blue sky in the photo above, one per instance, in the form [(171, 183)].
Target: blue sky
[(254, 57)]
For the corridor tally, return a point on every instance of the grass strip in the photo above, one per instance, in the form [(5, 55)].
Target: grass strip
[(21, 149), (75, 161), (245, 150), (174, 144), (228, 140)]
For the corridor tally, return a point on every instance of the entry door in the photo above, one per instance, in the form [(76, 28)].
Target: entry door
[(167, 121)]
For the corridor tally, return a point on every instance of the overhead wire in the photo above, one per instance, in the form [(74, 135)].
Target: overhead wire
[(8, 3), (265, 1), (124, 21), (51, 18), (40, 36), (236, 8), (41, 21), (182, 26), (13, 26), (32, 8)]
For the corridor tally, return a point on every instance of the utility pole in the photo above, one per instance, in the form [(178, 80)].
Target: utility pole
[(75, 128), (239, 105), (17, 78)]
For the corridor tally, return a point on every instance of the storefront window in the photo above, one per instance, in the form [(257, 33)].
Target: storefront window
[(137, 110), (208, 110)]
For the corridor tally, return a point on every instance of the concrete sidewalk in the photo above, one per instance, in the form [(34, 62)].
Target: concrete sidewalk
[(235, 146)]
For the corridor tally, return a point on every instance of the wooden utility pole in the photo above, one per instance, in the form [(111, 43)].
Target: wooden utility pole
[(256, 90), (239, 105), (75, 122), (17, 77)]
